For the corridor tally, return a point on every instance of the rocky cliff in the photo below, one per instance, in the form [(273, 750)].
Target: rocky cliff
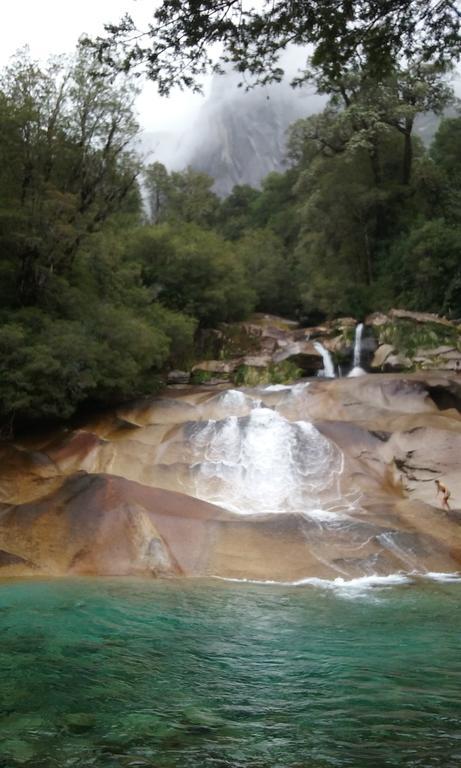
[(240, 136)]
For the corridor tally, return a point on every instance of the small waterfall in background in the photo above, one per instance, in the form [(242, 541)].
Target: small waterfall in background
[(358, 346), (357, 370), (328, 367)]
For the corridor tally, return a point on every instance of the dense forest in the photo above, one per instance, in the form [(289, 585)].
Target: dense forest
[(109, 266)]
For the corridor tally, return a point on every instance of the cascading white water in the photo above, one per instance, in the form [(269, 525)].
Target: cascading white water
[(357, 370), (358, 346), (255, 453), (263, 463), (328, 367)]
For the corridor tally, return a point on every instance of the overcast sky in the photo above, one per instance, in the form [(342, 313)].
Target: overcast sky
[(51, 27)]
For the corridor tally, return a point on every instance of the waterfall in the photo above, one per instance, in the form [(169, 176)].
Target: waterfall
[(358, 346), (262, 463), (328, 367), (357, 370), (266, 453)]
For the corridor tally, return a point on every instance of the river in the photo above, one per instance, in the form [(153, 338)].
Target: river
[(122, 673)]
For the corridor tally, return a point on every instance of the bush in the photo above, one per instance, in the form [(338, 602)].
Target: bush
[(49, 366), (194, 271), (279, 373)]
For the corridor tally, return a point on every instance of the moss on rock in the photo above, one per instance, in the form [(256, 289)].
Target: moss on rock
[(285, 372)]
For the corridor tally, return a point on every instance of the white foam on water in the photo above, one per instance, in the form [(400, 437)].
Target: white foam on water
[(298, 389), (294, 389), (358, 585), (236, 580), (263, 463), (347, 587), (237, 402), (233, 397), (361, 582), (356, 371), (443, 577)]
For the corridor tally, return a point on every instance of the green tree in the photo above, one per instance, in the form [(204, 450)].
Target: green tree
[(270, 274), (67, 164), (158, 187), (427, 267), (183, 196), (425, 256), (77, 324), (361, 109), (195, 271), (446, 148), (275, 207), (347, 221), (236, 211), (175, 48)]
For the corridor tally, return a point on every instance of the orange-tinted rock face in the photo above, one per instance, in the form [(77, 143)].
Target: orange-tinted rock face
[(333, 478), (101, 524)]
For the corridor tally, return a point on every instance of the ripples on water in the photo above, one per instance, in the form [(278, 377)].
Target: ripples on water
[(217, 675)]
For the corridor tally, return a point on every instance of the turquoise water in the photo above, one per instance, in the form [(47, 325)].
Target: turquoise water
[(220, 675)]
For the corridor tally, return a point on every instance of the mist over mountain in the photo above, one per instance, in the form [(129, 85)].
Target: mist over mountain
[(426, 124), (238, 136)]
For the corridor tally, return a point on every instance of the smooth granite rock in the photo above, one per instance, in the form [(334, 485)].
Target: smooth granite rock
[(118, 496)]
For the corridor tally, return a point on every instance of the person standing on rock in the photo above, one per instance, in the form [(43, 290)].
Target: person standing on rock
[(441, 488)]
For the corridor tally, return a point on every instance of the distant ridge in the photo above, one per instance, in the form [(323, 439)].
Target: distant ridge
[(240, 136)]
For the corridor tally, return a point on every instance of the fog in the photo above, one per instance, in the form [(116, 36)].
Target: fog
[(207, 130), (52, 27), (175, 129)]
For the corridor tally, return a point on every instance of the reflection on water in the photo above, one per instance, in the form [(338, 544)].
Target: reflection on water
[(217, 675)]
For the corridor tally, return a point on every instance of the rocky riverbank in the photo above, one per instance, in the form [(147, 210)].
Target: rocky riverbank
[(270, 349)]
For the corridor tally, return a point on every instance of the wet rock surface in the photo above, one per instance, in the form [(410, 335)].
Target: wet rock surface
[(322, 478)]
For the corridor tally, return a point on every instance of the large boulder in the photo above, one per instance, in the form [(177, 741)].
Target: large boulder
[(222, 367), (178, 377), (397, 363), (303, 354), (377, 319), (443, 358), (102, 525), (418, 317), (257, 361), (106, 525), (381, 355), (442, 351)]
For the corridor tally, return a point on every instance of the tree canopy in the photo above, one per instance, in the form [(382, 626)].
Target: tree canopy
[(110, 270), (177, 46)]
